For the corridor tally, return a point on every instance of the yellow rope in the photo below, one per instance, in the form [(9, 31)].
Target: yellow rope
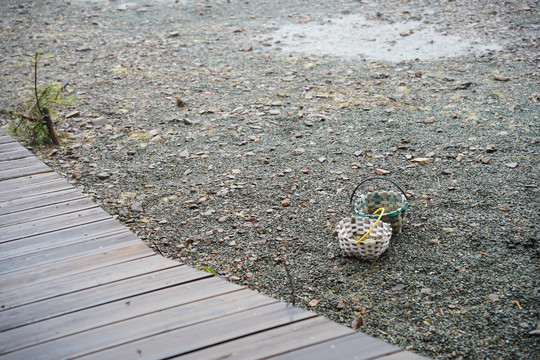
[(380, 216)]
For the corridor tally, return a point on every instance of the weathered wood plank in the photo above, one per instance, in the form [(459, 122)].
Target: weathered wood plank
[(19, 163), (24, 171), (36, 243), (4, 138), (46, 212), (354, 346), (99, 255), (207, 310), (92, 246), (72, 283), (84, 299), (275, 341), (28, 181), (10, 146), (113, 312), (204, 334), (15, 154), (40, 200), (20, 231)]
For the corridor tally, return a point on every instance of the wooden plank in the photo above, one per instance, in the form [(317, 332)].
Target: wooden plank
[(37, 201), (15, 154), (207, 333), (4, 139), (27, 182), (76, 282), (9, 146), (93, 246), (274, 341), (186, 315), (105, 255), (24, 171), (113, 312), (19, 163), (84, 299), (46, 212), (36, 243), (354, 346), (43, 226), (38, 189)]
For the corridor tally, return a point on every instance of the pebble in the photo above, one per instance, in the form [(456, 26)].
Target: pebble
[(137, 206), (183, 154), (103, 175), (100, 121), (286, 202)]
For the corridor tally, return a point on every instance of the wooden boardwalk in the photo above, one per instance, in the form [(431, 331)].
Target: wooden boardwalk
[(75, 283)]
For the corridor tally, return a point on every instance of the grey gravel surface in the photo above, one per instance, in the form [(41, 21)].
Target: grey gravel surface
[(201, 126)]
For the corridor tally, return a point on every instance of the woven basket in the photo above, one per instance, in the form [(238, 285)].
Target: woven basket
[(351, 229), (393, 202)]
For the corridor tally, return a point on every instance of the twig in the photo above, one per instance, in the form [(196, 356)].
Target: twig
[(35, 82), (291, 283)]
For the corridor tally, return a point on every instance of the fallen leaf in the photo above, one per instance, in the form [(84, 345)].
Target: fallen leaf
[(399, 287), (511, 165), (238, 30), (247, 48), (303, 21), (313, 303), (77, 175), (381, 172), (356, 323), (421, 160)]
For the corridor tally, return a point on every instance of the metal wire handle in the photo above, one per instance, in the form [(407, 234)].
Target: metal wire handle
[(376, 178)]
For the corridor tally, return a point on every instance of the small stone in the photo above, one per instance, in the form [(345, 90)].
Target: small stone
[(425, 291), (524, 325), (77, 175), (184, 154), (493, 297), (341, 305), (299, 151), (286, 202), (103, 175), (447, 172), (511, 165), (223, 219), (358, 153), (100, 121), (322, 159), (156, 138), (491, 148), (399, 287), (430, 120), (485, 159), (356, 323), (534, 333), (234, 278), (381, 172), (137, 206), (153, 133), (418, 74), (250, 275), (174, 34), (313, 303)]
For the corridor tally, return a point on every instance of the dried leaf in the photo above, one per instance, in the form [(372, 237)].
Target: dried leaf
[(511, 165), (77, 175), (313, 303), (421, 160), (381, 172)]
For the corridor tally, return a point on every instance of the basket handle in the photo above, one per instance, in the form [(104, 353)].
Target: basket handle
[(376, 178)]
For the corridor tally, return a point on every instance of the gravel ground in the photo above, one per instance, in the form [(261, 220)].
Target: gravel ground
[(203, 131)]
